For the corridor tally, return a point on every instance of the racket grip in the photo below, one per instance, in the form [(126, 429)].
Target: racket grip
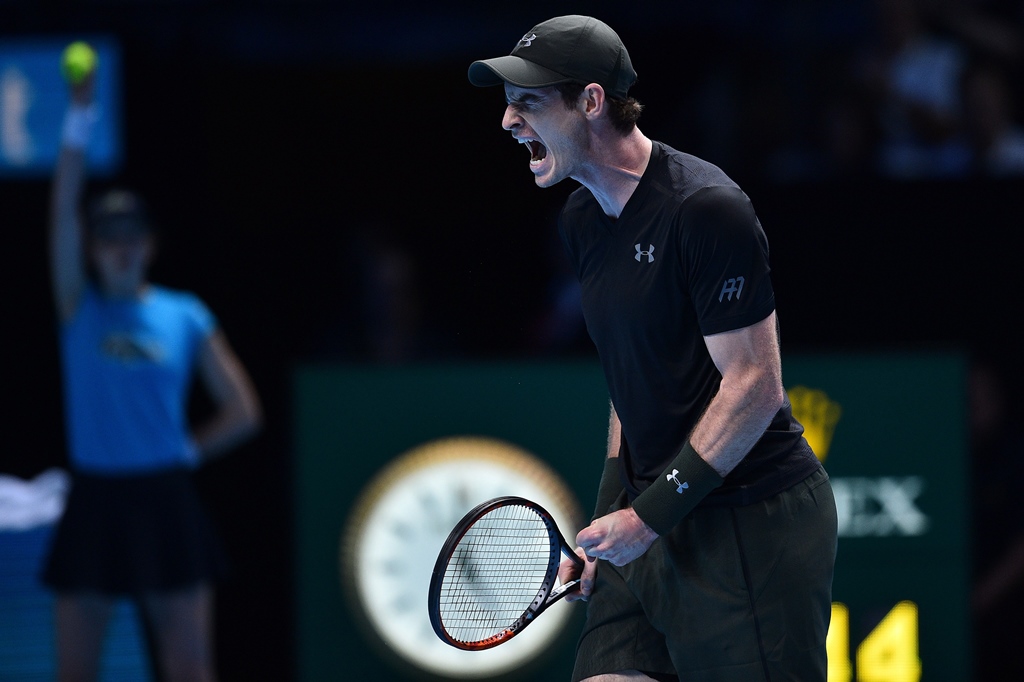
[(563, 590)]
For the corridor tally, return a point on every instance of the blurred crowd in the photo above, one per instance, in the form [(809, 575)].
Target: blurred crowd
[(897, 89)]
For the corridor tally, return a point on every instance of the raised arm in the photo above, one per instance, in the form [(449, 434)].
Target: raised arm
[(66, 238), (238, 412)]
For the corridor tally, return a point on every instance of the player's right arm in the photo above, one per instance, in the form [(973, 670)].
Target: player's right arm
[(66, 233), (608, 491)]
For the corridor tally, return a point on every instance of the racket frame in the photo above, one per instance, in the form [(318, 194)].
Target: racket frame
[(548, 593)]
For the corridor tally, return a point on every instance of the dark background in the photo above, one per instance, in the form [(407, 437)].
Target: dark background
[(280, 142)]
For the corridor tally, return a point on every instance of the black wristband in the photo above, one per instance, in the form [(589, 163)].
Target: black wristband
[(685, 482), (609, 488)]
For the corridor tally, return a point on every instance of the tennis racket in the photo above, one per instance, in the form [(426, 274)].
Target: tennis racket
[(496, 573)]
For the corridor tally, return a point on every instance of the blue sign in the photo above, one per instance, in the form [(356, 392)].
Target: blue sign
[(34, 97)]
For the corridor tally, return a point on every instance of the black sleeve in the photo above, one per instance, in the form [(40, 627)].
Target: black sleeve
[(725, 253)]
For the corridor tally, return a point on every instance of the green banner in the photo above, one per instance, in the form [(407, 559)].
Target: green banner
[(388, 459), (386, 454), (892, 432)]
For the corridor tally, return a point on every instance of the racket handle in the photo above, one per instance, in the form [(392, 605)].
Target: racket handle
[(563, 590)]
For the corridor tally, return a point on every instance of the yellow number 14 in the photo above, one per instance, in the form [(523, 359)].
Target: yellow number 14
[(888, 654)]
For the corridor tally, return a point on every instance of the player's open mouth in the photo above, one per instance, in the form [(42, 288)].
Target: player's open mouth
[(537, 151)]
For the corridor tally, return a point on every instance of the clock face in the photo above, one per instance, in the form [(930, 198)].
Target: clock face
[(397, 529)]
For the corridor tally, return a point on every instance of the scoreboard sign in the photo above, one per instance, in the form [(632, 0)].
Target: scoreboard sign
[(891, 431)]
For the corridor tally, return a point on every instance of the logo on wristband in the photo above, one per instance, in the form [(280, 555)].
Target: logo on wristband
[(680, 486)]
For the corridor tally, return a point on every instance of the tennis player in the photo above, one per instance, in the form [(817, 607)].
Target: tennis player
[(711, 553), (133, 525)]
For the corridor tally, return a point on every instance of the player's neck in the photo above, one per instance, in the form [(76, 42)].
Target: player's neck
[(617, 170)]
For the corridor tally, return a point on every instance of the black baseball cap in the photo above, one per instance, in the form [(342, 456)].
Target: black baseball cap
[(571, 48), (119, 213)]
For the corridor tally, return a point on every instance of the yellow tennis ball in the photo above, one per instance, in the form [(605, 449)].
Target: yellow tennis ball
[(78, 61)]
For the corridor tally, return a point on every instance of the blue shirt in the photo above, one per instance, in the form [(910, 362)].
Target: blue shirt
[(128, 364)]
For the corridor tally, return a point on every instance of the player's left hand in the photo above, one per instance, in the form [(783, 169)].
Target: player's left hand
[(619, 537), (570, 570)]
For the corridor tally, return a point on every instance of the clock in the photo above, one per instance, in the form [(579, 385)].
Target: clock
[(395, 532)]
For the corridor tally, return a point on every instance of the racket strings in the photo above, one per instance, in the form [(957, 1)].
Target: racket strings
[(495, 573)]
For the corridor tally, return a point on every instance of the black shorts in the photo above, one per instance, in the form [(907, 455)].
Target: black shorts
[(127, 535), (732, 594)]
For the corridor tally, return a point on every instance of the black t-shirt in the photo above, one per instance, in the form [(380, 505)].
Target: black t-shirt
[(686, 258)]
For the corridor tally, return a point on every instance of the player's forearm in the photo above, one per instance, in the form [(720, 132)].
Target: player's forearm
[(610, 485), (614, 433), (737, 417), (69, 174), (748, 397), (65, 232)]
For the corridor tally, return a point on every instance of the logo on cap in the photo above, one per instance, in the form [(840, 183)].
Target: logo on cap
[(528, 38)]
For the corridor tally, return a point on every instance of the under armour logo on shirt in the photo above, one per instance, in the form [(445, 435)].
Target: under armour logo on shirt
[(649, 253)]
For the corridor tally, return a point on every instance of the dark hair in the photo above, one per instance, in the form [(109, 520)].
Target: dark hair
[(624, 113)]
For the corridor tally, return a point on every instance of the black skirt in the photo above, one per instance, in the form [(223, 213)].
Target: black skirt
[(127, 535)]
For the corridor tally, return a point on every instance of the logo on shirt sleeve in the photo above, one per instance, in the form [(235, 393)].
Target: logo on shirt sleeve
[(733, 285)]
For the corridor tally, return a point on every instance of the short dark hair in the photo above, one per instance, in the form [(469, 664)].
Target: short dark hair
[(623, 112)]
